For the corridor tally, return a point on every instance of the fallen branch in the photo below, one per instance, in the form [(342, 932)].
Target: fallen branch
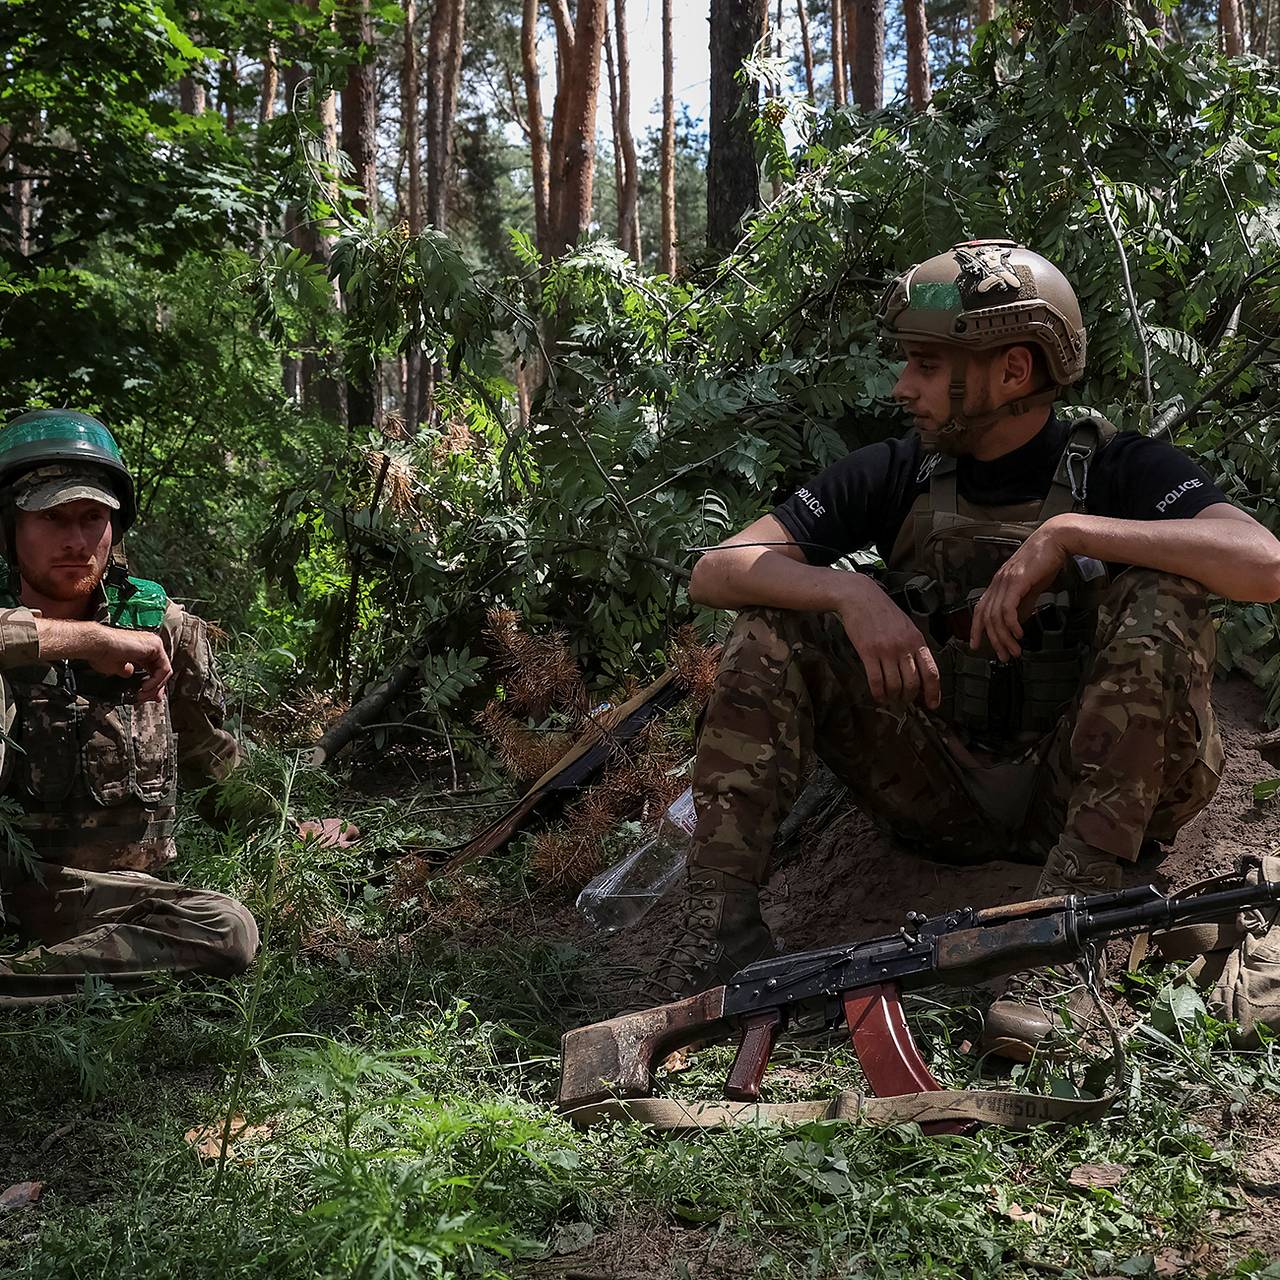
[(364, 713)]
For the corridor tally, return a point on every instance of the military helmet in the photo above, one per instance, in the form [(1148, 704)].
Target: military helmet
[(62, 440), (982, 294)]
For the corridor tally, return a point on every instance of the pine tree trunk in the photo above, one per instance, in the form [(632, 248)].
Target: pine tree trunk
[(611, 75), (191, 96), (457, 41), (537, 125), (573, 160), (270, 84), (918, 89), (837, 53), (733, 184), (22, 204), (802, 12), (228, 80), (409, 106), (629, 207), (315, 382), (866, 18), (848, 21), (563, 21), (359, 111), (986, 11), (1229, 27), (444, 65), (667, 164), (359, 132)]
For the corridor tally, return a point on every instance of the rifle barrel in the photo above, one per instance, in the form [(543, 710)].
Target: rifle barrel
[(1100, 920)]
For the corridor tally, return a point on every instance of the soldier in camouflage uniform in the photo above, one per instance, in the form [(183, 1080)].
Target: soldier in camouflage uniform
[(108, 696), (1031, 675)]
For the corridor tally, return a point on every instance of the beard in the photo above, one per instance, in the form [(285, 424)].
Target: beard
[(952, 440), (63, 586), (955, 440)]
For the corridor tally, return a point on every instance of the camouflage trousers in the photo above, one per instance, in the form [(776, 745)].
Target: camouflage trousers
[(123, 927), (1135, 756)]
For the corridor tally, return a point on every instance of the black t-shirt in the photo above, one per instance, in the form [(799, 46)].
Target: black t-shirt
[(862, 500)]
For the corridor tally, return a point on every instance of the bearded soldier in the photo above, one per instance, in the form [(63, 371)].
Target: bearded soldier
[(109, 696), (1031, 676)]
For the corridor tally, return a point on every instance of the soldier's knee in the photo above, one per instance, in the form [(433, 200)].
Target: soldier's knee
[(762, 641), (1146, 604), (761, 623), (765, 639), (237, 937)]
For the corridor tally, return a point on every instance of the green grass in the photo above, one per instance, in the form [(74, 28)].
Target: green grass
[(407, 1102)]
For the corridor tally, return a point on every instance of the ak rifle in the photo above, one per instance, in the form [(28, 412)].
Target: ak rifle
[(861, 983)]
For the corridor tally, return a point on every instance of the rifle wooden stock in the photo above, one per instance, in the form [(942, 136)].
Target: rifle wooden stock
[(616, 1059)]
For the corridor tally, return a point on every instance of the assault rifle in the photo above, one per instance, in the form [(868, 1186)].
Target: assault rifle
[(610, 1062)]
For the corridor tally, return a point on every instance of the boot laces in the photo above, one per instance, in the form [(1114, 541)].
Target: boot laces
[(694, 950)]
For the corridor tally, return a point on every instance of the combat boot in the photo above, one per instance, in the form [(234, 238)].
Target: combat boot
[(721, 930), (1025, 1018)]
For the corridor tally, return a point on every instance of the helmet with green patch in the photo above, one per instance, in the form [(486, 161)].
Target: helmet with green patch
[(983, 294), (62, 439)]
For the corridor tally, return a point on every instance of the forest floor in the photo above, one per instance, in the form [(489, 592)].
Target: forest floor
[(393, 1057)]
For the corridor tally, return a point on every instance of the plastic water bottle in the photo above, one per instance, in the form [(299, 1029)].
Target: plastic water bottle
[(623, 893)]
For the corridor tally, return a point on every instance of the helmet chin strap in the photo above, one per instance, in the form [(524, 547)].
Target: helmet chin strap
[(961, 423)]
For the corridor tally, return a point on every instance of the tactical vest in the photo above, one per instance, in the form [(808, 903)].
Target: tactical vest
[(944, 557), (95, 773)]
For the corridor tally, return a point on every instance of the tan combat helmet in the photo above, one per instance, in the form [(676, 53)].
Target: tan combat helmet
[(984, 294)]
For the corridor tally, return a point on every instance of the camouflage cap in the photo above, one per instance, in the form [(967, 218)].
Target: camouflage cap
[(52, 486), (982, 294)]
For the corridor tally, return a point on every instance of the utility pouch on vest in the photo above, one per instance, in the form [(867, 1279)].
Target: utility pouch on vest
[(93, 684)]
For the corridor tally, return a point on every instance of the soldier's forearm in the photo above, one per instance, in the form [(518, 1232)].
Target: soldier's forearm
[(61, 640), (737, 577), (1231, 555)]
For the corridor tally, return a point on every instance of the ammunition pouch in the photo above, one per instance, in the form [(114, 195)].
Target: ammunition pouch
[(1006, 701), (1000, 703)]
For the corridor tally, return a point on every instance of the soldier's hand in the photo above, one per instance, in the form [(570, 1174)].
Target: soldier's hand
[(998, 616), (899, 664), (117, 651)]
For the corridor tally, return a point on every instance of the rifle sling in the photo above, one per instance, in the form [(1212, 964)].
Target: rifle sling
[(1009, 1110)]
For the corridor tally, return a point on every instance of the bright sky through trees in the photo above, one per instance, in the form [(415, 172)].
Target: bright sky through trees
[(692, 58)]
